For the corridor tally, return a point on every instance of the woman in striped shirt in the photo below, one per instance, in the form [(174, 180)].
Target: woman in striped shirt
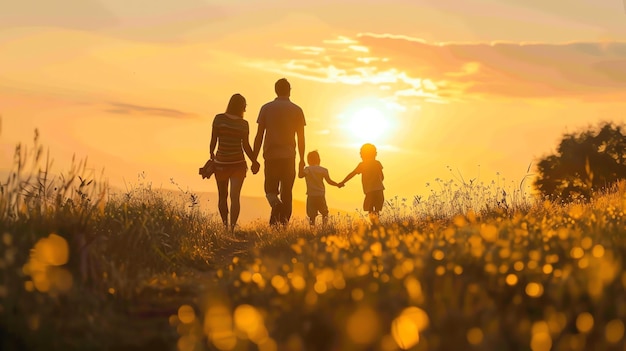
[(230, 135)]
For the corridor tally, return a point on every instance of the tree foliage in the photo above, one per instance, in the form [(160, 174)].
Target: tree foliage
[(584, 162)]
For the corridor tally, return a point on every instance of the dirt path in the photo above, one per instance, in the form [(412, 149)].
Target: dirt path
[(146, 316)]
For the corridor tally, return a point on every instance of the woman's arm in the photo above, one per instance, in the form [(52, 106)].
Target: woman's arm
[(213, 142), (247, 149), (245, 142)]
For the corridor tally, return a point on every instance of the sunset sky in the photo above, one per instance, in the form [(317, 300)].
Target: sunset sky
[(481, 86)]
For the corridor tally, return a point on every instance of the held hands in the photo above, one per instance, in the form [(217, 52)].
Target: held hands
[(301, 166), (341, 185), (255, 167)]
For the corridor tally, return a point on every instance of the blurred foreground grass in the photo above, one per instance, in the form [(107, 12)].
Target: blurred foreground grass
[(471, 267)]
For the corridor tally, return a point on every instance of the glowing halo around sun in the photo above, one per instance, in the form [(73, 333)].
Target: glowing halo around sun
[(367, 122)]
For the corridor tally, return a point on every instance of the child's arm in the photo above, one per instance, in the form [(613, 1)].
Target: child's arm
[(349, 176), (301, 172), (330, 181)]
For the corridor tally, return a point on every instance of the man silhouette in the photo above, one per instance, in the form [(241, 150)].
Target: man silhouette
[(280, 122)]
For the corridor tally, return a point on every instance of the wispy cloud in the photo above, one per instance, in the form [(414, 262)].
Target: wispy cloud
[(155, 21), (407, 69), (137, 110), (84, 14), (534, 70)]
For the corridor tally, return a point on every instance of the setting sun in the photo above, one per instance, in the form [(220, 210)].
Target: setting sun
[(367, 123)]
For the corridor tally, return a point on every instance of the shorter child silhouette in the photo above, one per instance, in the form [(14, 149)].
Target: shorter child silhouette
[(314, 174), (371, 171)]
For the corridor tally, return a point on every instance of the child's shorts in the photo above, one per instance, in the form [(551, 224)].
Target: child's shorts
[(374, 201), (315, 205)]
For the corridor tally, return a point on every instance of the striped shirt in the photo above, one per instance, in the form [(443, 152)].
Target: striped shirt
[(231, 130)]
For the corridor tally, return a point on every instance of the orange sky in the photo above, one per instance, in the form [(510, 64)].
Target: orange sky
[(481, 88)]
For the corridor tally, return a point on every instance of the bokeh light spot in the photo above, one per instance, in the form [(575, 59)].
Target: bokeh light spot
[(511, 279), (475, 336), (186, 314), (534, 289), (584, 322), (363, 325), (614, 331)]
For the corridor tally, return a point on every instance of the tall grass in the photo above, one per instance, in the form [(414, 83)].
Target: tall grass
[(470, 266), (547, 277), (70, 244), (458, 196)]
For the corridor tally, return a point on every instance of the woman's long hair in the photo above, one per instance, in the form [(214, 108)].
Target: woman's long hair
[(236, 105)]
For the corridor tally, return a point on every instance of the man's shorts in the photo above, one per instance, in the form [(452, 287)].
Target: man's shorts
[(374, 201), (315, 204), (230, 171)]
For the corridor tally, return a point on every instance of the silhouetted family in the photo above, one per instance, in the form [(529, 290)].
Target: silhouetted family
[(280, 132)]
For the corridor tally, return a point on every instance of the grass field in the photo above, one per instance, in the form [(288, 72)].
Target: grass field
[(470, 267)]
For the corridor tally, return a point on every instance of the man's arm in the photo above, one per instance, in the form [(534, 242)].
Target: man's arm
[(300, 135), (258, 140)]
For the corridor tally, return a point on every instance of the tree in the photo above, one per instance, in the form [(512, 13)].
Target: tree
[(585, 162)]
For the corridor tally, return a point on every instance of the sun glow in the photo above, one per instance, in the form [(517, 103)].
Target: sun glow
[(367, 123)]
